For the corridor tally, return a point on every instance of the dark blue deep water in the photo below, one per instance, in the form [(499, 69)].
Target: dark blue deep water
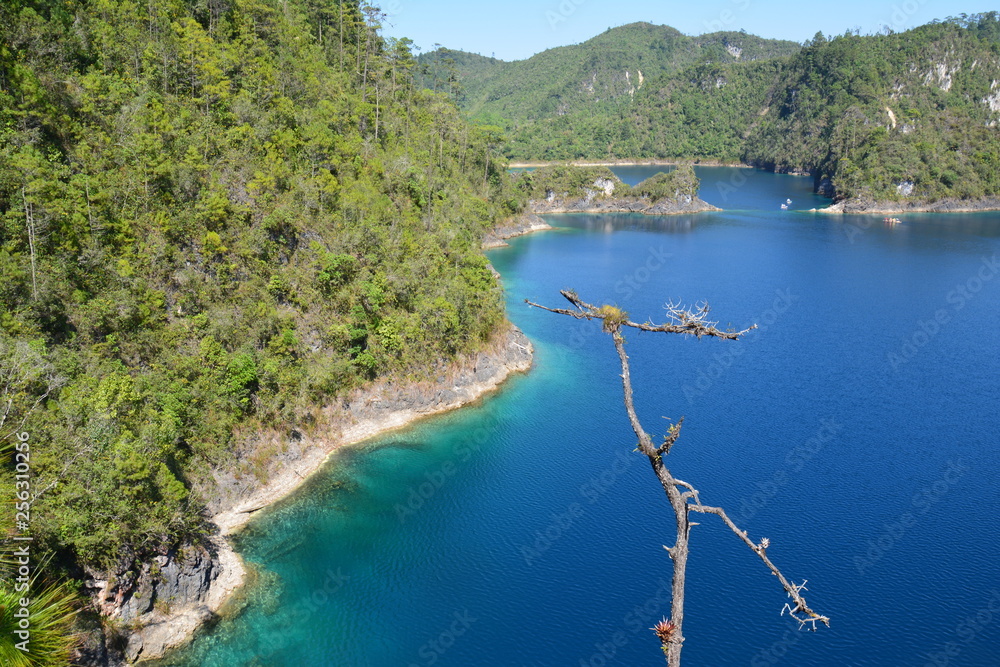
[(857, 429)]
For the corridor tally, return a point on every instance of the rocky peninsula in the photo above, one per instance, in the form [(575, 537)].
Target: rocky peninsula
[(886, 207), (572, 189), (526, 223)]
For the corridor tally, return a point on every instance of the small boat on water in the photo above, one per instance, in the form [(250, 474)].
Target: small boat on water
[(891, 221), (784, 207), (788, 201)]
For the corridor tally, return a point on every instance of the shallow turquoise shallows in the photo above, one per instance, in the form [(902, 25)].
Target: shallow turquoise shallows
[(857, 428)]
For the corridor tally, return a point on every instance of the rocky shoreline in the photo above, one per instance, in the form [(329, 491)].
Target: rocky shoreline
[(530, 221), (862, 206), (684, 204), (637, 162), (517, 226), (587, 189), (179, 592)]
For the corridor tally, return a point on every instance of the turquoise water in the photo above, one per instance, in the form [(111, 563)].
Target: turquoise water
[(856, 429)]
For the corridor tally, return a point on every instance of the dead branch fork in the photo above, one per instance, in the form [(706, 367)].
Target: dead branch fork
[(691, 322)]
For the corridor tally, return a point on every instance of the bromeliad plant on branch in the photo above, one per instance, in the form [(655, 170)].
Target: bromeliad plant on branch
[(683, 496)]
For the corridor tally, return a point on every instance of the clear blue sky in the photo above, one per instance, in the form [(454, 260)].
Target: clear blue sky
[(516, 29)]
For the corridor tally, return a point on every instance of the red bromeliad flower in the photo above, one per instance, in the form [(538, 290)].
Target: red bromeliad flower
[(664, 630)]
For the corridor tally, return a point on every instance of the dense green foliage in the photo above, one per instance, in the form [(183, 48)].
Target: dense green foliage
[(454, 71), (574, 182), (886, 117), (881, 113), (215, 215), (675, 184), (573, 101), (704, 112), (565, 181)]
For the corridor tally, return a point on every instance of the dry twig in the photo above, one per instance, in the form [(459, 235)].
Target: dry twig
[(695, 323)]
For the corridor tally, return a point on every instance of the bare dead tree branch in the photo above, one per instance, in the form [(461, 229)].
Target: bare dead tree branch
[(21, 370), (801, 611), (691, 322), (695, 323)]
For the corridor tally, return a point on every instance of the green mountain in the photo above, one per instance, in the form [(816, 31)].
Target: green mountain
[(455, 72), (905, 117), (600, 73), (215, 217)]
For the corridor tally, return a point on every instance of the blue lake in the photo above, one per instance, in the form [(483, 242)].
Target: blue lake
[(857, 429)]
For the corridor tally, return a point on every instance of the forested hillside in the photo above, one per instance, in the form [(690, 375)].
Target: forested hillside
[(909, 116), (555, 104), (885, 117), (215, 215)]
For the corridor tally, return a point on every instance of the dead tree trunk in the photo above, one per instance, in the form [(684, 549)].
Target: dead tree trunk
[(26, 381), (682, 496), (29, 221)]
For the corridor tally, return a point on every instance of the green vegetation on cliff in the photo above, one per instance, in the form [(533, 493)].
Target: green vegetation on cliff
[(580, 182), (573, 101), (886, 117), (566, 188), (676, 184), (565, 181), (912, 115), (215, 216)]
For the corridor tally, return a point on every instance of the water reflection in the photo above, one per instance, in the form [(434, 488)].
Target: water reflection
[(985, 224), (617, 222)]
